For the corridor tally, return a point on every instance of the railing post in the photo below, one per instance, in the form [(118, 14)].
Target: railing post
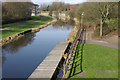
[(71, 52), (64, 70)]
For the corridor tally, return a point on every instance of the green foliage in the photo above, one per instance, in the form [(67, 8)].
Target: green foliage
[(112, 23)]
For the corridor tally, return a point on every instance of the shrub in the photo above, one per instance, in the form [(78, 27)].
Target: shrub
[(50, 13)]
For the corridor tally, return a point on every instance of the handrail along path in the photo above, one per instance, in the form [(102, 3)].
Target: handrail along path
[(68, 60)]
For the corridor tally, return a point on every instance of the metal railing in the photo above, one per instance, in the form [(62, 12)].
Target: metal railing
[(70, 54)]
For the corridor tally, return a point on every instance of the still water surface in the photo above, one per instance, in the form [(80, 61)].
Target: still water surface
[(21, 57)]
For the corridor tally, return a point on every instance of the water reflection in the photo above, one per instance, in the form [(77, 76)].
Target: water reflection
[(14, 47), (22, 56), (3, 58), (1, 62), (61, 23)]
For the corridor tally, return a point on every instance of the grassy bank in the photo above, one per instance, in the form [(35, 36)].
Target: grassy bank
[(19, 22), (24, 27), (95, 58)]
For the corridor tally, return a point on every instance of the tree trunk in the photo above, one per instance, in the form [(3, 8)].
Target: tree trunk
[(94, 27), (109, 24), (101, 25)]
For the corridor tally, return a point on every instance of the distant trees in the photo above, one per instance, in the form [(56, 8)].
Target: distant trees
[(44, 7), (58, 6), (55, 6), (12, 11), (50, 13), (105, 10), (96, 13)]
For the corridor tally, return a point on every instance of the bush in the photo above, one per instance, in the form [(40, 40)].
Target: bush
[(112, 23), (97, 32), (106, 31), (50, 13)]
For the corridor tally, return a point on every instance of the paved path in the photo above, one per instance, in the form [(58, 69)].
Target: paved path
[(19, 24), (108, 42), (48, 66)]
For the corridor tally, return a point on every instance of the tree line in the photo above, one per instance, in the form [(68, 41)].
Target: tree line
[(102, 14), (55, 6), (16, 11)]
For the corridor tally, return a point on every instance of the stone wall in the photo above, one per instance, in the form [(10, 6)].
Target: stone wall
[(62, 14), (73, 33)]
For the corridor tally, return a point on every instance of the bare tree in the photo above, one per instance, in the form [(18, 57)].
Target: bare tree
[(105, 10), (43, 7), (16, 10), (95, 12)]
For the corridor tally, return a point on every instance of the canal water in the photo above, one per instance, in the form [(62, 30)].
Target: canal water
[(21, 57)]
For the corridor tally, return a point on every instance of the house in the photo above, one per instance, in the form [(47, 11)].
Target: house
[(35, 10), (70, 6)]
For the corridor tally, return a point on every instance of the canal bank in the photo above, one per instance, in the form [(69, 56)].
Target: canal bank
[(49, 67), (21, 34), (74, 31), (21, 57)]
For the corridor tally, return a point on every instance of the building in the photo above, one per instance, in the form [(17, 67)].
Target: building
[(70, 6), (35, 10)]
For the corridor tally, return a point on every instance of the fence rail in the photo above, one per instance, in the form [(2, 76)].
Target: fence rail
[(68, 60)]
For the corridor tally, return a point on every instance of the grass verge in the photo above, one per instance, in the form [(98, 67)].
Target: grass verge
[(19, 22), (95, 58), (25, 27)]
